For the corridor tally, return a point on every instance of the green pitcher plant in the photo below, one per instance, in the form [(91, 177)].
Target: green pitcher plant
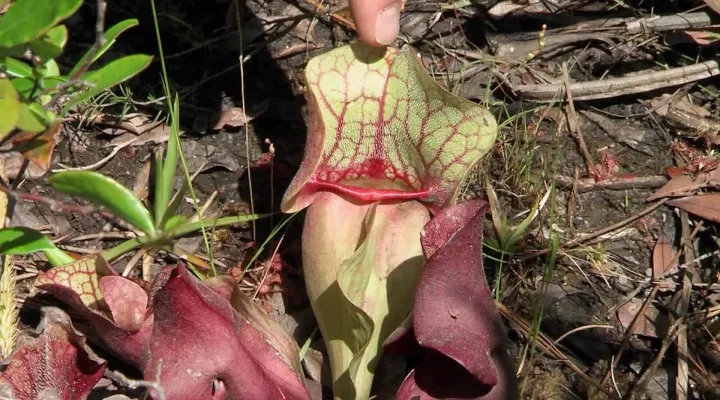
[(388, 148)]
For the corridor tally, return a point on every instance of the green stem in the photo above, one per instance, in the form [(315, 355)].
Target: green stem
[(181, 230)]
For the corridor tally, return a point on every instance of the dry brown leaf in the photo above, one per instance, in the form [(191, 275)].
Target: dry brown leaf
[(158, 133), (38, 147), (684, 185), (705, 206), (663, 257), (714, 4), (234, 118), (131, 122), (652, 323)]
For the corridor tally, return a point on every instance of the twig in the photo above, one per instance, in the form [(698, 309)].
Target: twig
[(681, 383), (600, 232), (614, 87), (668, 23), (650, 281), (575, 127), (238, 20), (321, 8), (548, 347), (124, 381), (629, 332), (100, 163), (589, 184)]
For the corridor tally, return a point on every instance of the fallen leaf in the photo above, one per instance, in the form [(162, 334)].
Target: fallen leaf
[(683, 185), (133, 123), (705, 206), (663, 257), (651, 324), (158, 133), (714, 4), (233, 116), (38, 147), (57, 364)]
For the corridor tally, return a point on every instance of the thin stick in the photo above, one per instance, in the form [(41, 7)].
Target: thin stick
[(609, 88), (681, 383), (123, 381), (600, 232), (100, 163), (244, 107), (575, 127), (587, 185)]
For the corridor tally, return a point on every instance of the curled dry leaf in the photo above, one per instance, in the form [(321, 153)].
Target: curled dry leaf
[(705, 206), (454, 316), (663, 257), (38, 147), (652, 323), (685, 184), (56, 364), (178, 329)]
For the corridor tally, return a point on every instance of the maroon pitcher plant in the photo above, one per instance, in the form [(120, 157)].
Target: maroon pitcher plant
[(385, 248), (198, 339)]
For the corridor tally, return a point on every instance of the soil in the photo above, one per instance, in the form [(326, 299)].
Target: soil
[(587, 282)]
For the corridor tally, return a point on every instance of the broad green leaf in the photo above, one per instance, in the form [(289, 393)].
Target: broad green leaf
[(110, 37), (27, 20), (9, 107), (32, 87), (34, 118), (49, 69), (110, 75), (386, 130), (51, 44), (17, 68), (23, 241), (106, 192)]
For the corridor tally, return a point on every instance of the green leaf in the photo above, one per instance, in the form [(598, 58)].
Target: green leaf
[(9, 107), (106, 192), (17, 68), (51, 44), (110, 37), (21, 241), (27, 20), (170, 164), (110, 75), (174, 221), (160, 204), (50, 69), (34, 118)]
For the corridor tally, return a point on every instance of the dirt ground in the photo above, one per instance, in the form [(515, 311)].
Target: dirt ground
[(589, 296)]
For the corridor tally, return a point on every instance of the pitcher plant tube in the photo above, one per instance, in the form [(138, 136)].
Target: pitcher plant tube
[(387, 148)]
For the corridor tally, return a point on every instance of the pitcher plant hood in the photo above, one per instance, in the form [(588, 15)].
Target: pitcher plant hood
[(380, 128)]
